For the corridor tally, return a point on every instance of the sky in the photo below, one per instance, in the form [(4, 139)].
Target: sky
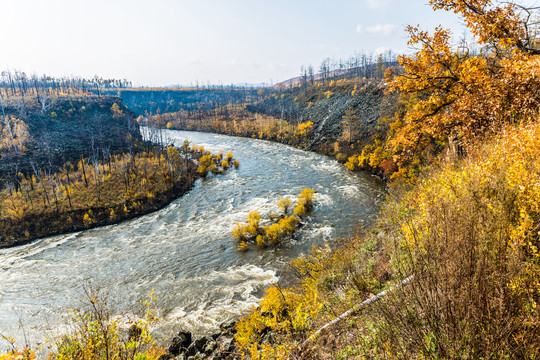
[(170, 42)]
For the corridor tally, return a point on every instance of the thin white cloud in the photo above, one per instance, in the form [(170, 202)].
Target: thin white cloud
[(193, 61), (254, 64), (232, 63), (379, 29), (378, 4)]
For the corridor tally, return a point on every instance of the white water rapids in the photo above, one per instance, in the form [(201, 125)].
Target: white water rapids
[(185, 252)]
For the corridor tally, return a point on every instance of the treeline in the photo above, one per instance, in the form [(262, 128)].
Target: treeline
[(19, 84), (237, 121), (196, 101), (362, 65)]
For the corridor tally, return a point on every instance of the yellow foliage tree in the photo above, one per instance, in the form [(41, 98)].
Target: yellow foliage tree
[(285, 204), (13, 135), (455, 94)]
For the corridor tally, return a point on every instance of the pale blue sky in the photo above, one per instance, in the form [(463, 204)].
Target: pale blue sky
[(163, 42)]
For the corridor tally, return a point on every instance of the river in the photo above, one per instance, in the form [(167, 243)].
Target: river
[(185, 252)]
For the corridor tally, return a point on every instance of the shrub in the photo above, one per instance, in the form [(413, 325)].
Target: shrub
[(261, 242), (243, 246), (97, 335), (24, 354), (87, 219), (239, 232), (469, 234), (305, 202), (288, 225), (273, 233), (352, 162), (284, 227), (341, 157), (213, 168), (285, 204)]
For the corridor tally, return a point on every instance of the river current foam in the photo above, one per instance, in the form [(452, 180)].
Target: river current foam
[(184, 252)]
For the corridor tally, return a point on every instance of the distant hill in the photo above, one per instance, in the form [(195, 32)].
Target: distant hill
[(163, 100), (369, 71)]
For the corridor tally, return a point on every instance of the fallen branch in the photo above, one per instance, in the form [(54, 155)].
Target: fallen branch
[(356, 308)]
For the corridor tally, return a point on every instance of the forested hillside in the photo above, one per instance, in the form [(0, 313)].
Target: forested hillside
[(346, 111), (71, 160), (337, 117), (69, 129)]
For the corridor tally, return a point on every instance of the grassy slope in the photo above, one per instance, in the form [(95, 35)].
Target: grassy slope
[(469, 234)]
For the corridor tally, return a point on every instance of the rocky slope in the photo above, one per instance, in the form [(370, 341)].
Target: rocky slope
[(326, 105)]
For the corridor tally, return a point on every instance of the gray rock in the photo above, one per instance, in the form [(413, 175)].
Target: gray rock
[(228, 325), (225, 344), (191, 350), (200, 343), (180, 343), (134, 333), (210, 346)]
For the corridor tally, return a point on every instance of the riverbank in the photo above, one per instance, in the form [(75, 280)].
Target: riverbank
[(36, 226), (467, 230), (341, 119), (102, 193), (301, 143), (218, 346)]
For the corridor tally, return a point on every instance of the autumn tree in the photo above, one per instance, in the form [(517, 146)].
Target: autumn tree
[(311, 74), (451, 93), (13, 134), (285, 204), (347, 122)]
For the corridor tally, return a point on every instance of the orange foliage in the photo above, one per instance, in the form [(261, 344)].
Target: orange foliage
[(455, 94)]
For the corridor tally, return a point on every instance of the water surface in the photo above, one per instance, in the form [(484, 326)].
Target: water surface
[(185, 252)]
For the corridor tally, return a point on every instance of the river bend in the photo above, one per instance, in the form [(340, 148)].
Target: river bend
[(184, 252)]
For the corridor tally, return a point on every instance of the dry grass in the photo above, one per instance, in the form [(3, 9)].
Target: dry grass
[(469, 233)]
